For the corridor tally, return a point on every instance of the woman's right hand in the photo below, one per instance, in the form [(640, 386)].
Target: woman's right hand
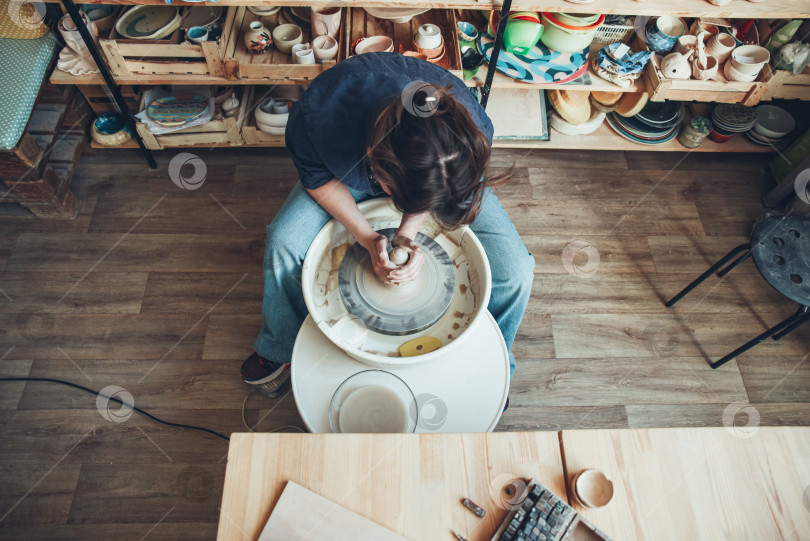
[(377, 247)]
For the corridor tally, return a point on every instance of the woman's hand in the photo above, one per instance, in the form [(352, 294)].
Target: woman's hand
[(409, 271), (377, 247)]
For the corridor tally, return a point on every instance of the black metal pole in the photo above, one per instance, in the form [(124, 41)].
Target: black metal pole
[(112, 86), (496, 51)]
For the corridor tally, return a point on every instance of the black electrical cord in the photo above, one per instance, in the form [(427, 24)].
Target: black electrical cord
[(119, 401)]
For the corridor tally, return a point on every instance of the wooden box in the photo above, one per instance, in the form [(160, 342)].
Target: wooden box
[(101, 102), (783, 84), (660, 88), (362, 25), (170, 56), (275, 66), (252, 134), (215, 133)]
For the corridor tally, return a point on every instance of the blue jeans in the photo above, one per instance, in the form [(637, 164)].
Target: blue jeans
[(290, 234)]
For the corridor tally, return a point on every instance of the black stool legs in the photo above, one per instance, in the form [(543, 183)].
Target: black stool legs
[(777, 331), (714, 268)]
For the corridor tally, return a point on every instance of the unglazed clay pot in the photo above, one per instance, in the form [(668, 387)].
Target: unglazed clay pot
[(257, 38), (676, 66)]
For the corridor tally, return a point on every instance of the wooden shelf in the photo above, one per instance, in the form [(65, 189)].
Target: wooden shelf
[(605, 138), (772, 9)]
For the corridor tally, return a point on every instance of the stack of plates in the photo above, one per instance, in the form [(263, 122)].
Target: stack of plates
[(772, 125), (656, 123), (731, 118)]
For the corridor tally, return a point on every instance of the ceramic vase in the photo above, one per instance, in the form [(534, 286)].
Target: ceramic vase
[(75, 57), (257, 38)]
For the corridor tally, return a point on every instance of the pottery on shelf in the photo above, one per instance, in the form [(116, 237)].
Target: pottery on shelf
[(676, 66), (257, 38), (75, 57), (148, 22), (287, 35), (110, 129), (230, 106)]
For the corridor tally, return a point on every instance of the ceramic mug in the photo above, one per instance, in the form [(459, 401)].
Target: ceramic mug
[(705, 72), (720, 46), (325, 48), (197, 34), (304, 56), (326, 21), (521, 35), (664, 33), (429, 36), (287, 35)]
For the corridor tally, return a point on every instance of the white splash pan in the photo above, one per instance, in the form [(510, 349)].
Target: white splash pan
[(470, 299)]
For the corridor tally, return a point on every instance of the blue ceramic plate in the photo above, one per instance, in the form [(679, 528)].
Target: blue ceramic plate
[(611, 119), (540, 65), (636, 127)]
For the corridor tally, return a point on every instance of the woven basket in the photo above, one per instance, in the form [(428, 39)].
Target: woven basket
[(613, 33)]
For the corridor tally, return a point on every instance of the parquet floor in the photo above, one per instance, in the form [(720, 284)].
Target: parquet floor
[(158, 290)]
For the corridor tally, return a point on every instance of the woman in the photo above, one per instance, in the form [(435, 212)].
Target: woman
[(377, 124)]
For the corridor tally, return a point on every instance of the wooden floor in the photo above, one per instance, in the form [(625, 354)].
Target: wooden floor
[(157, 290)]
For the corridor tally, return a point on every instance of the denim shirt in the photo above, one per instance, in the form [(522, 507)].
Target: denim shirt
[(328, 129)]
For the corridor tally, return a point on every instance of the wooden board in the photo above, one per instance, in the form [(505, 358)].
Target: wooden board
[(411, 484), (302, 514), (697, 483), (783, 84)]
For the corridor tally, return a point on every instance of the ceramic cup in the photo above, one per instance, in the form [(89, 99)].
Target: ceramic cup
[(304, 56), (197, 34), (733, 74), (467, 33), (298, 47), (375, 44), (720, 46), (326, 21), (521, 35), (325, 48), (664, 33), (749, 59), (705, 72), (685, 44), (287, 35), (429, 36)]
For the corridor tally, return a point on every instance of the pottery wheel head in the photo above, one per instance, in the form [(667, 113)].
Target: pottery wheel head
[(397, 309)]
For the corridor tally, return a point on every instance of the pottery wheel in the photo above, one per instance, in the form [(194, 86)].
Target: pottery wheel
[(397, 309)]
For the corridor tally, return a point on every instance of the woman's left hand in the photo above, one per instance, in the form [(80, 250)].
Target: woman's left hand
[(409, 271)]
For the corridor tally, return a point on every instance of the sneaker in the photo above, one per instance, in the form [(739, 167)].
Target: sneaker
[(268, 376), (505, 406)]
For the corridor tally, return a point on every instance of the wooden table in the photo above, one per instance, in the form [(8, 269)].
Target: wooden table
[(691, 483)]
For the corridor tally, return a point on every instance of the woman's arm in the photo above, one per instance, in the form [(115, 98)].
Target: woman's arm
[(334, 198)]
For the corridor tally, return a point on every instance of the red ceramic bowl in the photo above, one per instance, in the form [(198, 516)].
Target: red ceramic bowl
[(719, 138)]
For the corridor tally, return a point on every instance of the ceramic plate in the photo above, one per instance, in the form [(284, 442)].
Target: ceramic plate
[(177, 110), (540, 65), (148, 22), (663, 114), (202, 16), (638, 128), (611, 120)]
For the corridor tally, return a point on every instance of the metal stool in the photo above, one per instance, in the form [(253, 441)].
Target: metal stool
[(780, 247)]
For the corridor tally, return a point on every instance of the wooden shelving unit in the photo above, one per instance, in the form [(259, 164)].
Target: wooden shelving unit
[(604, 138)]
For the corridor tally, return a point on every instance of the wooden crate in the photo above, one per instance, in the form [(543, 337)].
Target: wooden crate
[(362, 24), (100, 101), (250, 133), (275, 66), (170, 56), (660, 88), (216, 133), (783, 84)]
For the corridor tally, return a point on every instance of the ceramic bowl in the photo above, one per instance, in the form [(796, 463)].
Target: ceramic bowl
[(148, 22), (266, 114), (324, 303), (429, 36), (733, 74), (719, 137), (414, 54), (749, 59), (103, 16), (325, 48), (395, 401), (110, 129), (566, 40), (578, 19), (287, 35), (773, 122), (273, 130), (375, 44), (592, 489), (467, 32)]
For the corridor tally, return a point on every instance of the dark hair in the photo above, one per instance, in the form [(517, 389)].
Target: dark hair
[(426, 149)]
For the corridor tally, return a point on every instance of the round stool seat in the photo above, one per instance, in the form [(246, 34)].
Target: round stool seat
[(780, 247), (464, 392)]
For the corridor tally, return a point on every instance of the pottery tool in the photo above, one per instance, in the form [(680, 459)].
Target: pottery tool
[(419, 346), (397, 309)]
